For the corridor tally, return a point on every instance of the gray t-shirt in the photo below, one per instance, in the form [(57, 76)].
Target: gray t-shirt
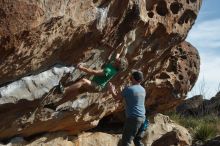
[(134, 101)]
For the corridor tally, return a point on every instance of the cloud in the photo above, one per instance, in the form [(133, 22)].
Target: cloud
[(206, 35), (209, 78), (210, 66)]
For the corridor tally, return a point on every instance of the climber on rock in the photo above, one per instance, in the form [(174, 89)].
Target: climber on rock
[(100, 79)]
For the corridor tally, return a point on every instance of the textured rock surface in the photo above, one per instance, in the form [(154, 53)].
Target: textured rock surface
[(213, 142), (162, 132), (167, 133), (189, 106), (33, 87), (197, 106), (52, 139), (174, 79), (37, 35)]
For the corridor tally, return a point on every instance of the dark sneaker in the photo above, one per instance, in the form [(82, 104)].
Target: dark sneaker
[(51, 106), (176, 94), (61, 88)]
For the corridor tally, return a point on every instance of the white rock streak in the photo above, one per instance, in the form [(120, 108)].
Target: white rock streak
[(33, 87), (102, 18)]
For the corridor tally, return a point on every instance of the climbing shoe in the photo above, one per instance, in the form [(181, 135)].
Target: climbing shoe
[(61, 88)]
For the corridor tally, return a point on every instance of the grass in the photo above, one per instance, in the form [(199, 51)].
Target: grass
[(204, 132), (201, 128)]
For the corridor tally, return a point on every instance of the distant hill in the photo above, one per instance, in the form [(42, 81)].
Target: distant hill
[(198, 106)]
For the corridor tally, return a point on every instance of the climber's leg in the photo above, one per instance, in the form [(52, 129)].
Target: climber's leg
[(74, 89)]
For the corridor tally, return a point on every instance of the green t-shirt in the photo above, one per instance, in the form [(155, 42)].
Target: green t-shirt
[(109, 71)]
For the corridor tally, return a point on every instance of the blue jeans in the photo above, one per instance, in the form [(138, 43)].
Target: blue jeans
[(133, 131)]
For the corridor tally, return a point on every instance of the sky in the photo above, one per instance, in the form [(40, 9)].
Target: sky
[(205, 36)]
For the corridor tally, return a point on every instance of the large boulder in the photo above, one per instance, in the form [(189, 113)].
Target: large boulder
[(189, 107), (165, 132), (42, 41)]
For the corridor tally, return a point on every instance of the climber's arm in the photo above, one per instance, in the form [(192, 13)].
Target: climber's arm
[(91, 71), (114, 92), (121, 51)]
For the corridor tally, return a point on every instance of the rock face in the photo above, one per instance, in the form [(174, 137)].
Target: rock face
[(165, 132), (190, 106), (213, 142), (42, 41), (162, 132), (197, 106)]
